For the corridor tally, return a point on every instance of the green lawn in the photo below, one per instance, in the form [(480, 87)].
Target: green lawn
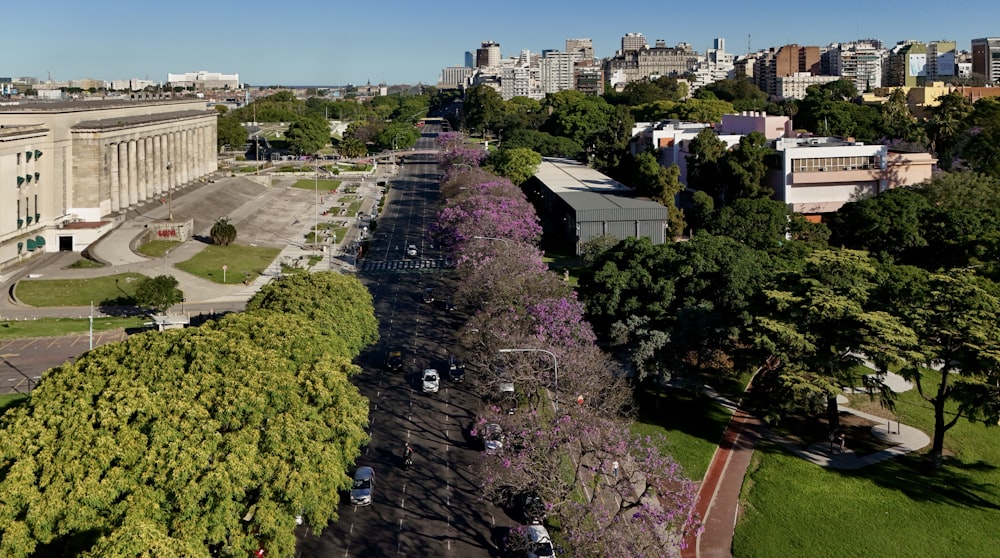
[(8, 401), (324, 185), (76, 292), (242, 262), (896, 508), (54, 327), (692, 424), (157, 248)]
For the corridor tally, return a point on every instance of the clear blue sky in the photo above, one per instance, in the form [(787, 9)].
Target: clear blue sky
[(335, 42)]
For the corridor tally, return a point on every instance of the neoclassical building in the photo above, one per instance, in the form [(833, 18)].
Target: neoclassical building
[(69, 170)]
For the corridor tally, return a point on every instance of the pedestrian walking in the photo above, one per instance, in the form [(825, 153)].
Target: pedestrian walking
[(842, 438), (614, 468)]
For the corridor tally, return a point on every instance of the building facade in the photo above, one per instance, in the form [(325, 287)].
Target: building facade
[(986, 58), (488, 55), (203, 81), (69, 169)]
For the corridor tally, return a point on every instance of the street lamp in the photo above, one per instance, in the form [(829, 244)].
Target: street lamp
[(555, 367), (316, 228)]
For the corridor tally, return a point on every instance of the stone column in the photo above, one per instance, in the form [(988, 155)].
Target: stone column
[(150, 169), (199, 149), (140, 171), (174, 160), (123, 175), (113, 171), (158, 165), (133, 172)]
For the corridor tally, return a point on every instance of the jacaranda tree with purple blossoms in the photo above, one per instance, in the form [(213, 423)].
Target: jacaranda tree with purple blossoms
[(456, 150), (485, 215)]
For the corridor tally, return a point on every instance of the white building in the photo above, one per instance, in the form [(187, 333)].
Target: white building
[(557, 70), (716, 65), (794, 86), (862, 62), (203, 80)]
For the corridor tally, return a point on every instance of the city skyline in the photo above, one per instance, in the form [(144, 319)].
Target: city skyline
[(406, 42)]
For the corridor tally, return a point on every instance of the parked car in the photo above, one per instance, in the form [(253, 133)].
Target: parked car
[(364, 484), (394, 361), (539, 542), (456, 370), (431, 381), (428, 295), (492, 438), (411, 250), (532, 507)]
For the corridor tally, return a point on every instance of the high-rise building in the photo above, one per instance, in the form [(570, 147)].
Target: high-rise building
[(941, 60), (660, 60), (488, 55), (633, 42), (861, 62), (470, 60), (907, 64), (585, 47), (986, 58), (786, 61), (558, 70)]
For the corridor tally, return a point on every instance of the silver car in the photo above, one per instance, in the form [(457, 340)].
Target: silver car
[(431, 381), (364, 484)]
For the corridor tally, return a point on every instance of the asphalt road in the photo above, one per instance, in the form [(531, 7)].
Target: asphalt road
[(22, 361), (432, 508)]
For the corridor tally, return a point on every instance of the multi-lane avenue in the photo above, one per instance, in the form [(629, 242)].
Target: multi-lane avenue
[(433, 507)]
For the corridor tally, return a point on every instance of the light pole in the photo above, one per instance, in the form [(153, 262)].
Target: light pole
[(555, 367), (316, 228)]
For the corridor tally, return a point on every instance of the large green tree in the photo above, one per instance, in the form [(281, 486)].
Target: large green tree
[(198, 442), (517, 165), (338, 304), (818, 322), (231, 131), (483, 109), (308, 135), (955, 363), (157, 293)]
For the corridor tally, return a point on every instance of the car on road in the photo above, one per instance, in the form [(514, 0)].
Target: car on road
[(411, 250), (431, 381), (394, 360), (492, 438), (363, 486), (456, 370), (428, 295), (532, 507), (539, 542)]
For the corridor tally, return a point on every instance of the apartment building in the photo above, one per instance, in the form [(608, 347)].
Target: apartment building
[(986, 58)]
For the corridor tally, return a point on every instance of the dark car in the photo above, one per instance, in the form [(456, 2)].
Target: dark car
[(532, 507), (456, 370), (428, 295), (394, 361)]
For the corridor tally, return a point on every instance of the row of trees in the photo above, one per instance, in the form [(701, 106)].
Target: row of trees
[(908, 281), (554, 444), (206, 441)]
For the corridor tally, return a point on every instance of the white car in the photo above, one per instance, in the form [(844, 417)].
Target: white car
[(431, 380), (411, 250), (492, 438), (539, 543)]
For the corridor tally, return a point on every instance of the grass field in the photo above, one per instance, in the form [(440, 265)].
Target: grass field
[(325, 185), (54, 327), (897, 508), (242, 262), (77, 292), (9, 400), (157, 248), (692, 424)]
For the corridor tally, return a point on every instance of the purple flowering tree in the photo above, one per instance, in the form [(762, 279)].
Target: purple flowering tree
[(644, 510), (456, 150), (485, 215), (560, 322)]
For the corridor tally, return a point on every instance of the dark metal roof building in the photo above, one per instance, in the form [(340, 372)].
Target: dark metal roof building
[(577, 203)]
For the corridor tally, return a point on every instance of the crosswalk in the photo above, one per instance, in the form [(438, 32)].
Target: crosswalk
[(404, 266)]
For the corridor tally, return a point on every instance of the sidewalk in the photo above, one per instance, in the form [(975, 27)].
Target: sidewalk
[(719, 493), (249, 203)]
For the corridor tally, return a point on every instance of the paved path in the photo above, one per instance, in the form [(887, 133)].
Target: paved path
[(266, 212), (719, 493)]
